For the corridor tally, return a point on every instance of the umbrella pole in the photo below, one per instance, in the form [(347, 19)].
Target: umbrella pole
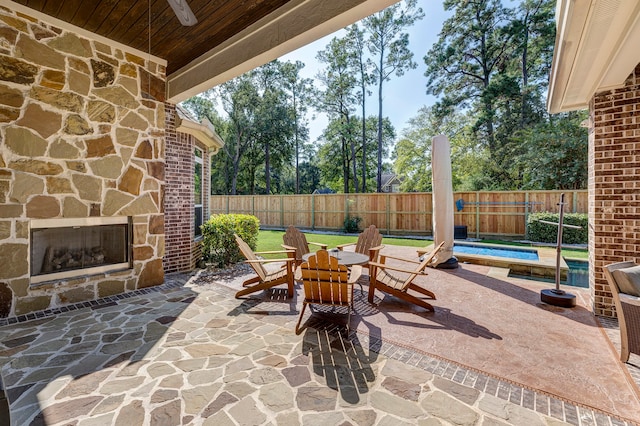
[(556, 296)]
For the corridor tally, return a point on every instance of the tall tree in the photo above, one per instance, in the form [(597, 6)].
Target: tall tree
[(274, 124), (338, 99), (335, 172), (362, 69), (534, 31), (389, 44), (472, 49), (238, 96), (300, 95)]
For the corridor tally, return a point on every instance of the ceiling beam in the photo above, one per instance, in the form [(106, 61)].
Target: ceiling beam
[(294, 25)]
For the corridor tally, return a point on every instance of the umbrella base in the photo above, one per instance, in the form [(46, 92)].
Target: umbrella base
[(558, 298), (449, 264)]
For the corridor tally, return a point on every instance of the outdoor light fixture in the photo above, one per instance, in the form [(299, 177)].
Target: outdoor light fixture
[(183, 12)]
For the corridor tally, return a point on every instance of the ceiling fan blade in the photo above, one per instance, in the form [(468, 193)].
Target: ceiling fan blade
[(183, 12)]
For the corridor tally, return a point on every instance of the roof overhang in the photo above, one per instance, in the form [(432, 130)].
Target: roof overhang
[(596, 49), (230, 38), (203, 131), (297, 23)]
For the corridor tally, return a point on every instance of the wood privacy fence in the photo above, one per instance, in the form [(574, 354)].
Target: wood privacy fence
[(484, 213)]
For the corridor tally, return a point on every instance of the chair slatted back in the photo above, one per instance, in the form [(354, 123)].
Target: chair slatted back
[(324, 280), (422, 265), (294, 238), (369, 238), (250, 255)]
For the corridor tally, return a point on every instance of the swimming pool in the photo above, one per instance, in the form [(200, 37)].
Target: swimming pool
[(483, 250), (578, 275)]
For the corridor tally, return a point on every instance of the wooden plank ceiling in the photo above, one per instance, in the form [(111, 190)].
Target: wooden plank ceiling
[(127, 22)]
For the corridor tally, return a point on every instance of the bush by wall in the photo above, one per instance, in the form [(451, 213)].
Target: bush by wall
[(545, 233), (218, 244)]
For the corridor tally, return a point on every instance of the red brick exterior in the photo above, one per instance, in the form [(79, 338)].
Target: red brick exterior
[(182, 253), (614, 185)]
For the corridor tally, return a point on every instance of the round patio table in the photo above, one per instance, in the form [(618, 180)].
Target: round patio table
[(347, 258)]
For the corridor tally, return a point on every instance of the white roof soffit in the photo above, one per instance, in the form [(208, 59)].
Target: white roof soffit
[(204, 132), (596, 49), (296, 24)]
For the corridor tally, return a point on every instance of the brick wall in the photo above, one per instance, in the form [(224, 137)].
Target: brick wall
[(614, 185), (178, 199), (182, 253)]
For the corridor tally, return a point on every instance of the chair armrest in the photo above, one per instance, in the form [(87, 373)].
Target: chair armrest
[(274, 252), (288, 259), (342, 246), (400, 259), (373, 251), (356, 272), (393, 268), (322, 246), (629, 299), (288, 248)]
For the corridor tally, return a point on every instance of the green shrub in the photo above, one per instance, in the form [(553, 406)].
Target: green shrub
[(351, 224), (545, 233), (218, 244)]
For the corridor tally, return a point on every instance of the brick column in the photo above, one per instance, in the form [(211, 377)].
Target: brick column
[(614, 185), (178, 199)]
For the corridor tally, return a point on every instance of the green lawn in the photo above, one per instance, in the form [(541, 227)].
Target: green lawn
[(272, 240)]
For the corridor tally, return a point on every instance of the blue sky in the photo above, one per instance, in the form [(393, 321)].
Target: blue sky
[(402, 96)]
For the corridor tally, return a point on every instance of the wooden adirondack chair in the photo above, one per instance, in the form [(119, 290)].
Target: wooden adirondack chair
[(264, 278), (381, 279), (369, 243), (325, 282), (295, 240)]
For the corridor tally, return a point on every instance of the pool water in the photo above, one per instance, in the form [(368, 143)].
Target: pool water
[(511, 253), (577, 276)]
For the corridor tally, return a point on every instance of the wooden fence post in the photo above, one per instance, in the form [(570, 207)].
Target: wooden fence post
[(313, 212), (388, 213), (346, 207), (526, 214), (282, 211), (477, 215)]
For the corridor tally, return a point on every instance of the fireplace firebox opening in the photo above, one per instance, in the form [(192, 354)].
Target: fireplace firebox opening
[(67, 248)]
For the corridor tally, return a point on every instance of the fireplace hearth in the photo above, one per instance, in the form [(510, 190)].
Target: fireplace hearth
[(67, 248)]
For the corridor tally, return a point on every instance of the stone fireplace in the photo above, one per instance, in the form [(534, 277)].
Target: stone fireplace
[(82, 127)]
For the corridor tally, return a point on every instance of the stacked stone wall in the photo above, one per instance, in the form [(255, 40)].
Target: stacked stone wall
[(614, 185), (81, 134)]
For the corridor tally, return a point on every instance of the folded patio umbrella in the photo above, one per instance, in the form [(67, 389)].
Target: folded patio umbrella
[(442, 197)]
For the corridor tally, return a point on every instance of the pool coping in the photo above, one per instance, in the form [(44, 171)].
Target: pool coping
[(544, 267)]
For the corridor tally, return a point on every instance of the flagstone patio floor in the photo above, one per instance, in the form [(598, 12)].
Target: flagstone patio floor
[(188, 352)]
